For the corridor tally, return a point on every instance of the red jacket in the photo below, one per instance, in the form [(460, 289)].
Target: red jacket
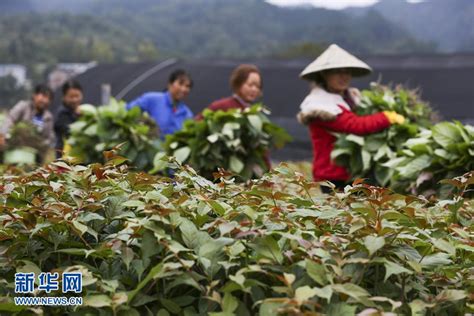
[(323, 141)]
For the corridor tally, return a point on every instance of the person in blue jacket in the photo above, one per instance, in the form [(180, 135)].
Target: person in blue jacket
[(167, 108)]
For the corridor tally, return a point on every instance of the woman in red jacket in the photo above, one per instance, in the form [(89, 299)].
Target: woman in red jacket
[(246, 84), (328, 110)]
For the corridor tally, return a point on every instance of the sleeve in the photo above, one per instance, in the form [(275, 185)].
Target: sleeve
[(189, 113), (61, 125), (349, 123), (49, 130), (13, 116), (141, 102)]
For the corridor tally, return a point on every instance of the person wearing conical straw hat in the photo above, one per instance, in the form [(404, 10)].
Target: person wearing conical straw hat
[(328, 109)]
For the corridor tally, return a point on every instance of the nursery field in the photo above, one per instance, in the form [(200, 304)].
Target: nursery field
[(201, 222), (155, 245)]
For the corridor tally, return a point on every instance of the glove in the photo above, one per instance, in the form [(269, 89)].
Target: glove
[(394, 117)]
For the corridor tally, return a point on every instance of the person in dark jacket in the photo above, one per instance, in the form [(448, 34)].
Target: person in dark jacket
[(328, 110), (68, 113), (246, 85)]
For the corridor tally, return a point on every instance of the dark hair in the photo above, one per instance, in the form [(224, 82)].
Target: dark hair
[(71, 84), (43, 89), (318, 79), (180, 74), (240, 74)]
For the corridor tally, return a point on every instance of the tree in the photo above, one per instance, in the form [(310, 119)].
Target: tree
[(302, 50), (147, 51)]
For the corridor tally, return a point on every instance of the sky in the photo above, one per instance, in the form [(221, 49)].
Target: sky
[(330, 4)]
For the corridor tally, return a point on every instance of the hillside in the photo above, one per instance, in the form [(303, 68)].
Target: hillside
[(198, 28), (62, 37), (450, 24)]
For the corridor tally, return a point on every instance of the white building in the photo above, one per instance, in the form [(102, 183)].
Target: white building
[(65, 71), (15, 70)]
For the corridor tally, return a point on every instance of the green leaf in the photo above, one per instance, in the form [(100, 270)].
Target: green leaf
[(229, 303), (451, 295), (255, 121), (213, 138), (373, 244), (395, 162), (134, 203), (270, 308), (87, 217), (218, 207), (127, 256), (317, 272), (268, 248), (160, 162), (435, 260), (153, 272), (382, 152), (351, 290), (325, 292), (97, 301), (228, 129), (170, 306), (341, 309), (383, 175), (418, 307), (182, 154), (236, 249), (446, 133), (304, 293), (366, 160), (235, 164), (414, 167), (80, 227), (444, 246), (149, 244), (163, 312), (192, 237), (88, 109), (359, 140), (214, 247), (392, 268)]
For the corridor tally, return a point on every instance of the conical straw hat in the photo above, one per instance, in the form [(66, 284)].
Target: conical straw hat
[(336, 57)]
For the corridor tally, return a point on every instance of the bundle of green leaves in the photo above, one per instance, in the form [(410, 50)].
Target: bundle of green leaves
[(235, 140), (103, 128), (152, 245), (365, 156), (25, 134), (444, 151), (25, 146)]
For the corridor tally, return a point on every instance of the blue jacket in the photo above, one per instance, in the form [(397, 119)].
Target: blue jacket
[(160, 107)]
